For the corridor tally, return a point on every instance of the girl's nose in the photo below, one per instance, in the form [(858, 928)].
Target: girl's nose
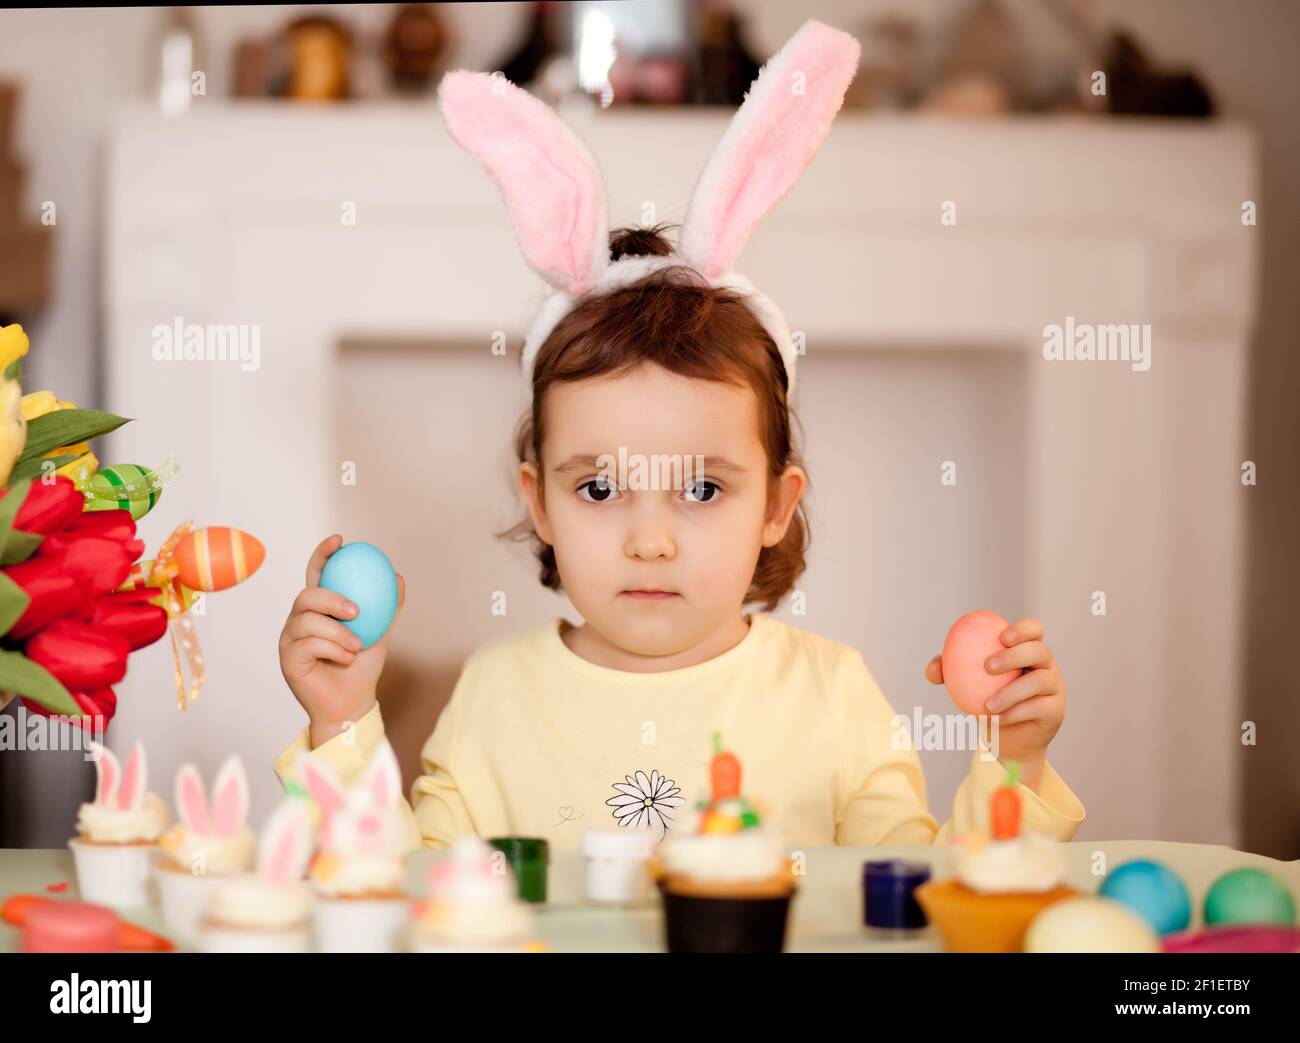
[(650, 535)]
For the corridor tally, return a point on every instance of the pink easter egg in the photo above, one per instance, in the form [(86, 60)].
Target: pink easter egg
[(972, 639)]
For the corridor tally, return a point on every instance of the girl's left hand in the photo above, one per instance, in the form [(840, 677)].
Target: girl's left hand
[(1031, 708)]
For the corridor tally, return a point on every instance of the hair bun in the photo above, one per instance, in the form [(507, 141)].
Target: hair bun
[(639, 242)]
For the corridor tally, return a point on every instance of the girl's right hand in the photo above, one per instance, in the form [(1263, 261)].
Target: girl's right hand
[(322, 660)]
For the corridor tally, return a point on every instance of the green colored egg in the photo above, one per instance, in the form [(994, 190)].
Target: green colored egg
[(1249, 896), (122, 487)]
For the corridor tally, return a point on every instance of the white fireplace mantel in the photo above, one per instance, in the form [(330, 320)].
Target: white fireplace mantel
[(234, 214)]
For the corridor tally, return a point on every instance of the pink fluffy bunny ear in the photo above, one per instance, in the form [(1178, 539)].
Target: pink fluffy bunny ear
[(323, 785), (191, 801), (285, 845), (770, 142), (135, 777), (383, 777), (108, 774), (230, 797), (551, 184)]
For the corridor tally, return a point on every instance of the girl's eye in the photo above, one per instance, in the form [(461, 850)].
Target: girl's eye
[(703, 492), (597, 490)]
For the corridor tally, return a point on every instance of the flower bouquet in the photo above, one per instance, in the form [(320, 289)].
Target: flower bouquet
[(75, 598)]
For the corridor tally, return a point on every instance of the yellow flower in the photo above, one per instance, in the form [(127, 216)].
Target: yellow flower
[(80, 469), (38, 403), (13, 345), (13, 428)]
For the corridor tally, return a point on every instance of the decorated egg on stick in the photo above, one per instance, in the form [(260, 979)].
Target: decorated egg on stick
[(970, 642), (217, 557)]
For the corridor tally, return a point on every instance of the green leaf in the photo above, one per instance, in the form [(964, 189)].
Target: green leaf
[(13, 602), (15, 371), (67, 427), (33, 467), (19, 546), (9, 507), (20, 675)]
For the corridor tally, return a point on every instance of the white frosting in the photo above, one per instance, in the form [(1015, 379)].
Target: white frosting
[(107, 823), (250, 901), (471, 902), (756, 853), (217, 855), (1030, 862), (359, 875)]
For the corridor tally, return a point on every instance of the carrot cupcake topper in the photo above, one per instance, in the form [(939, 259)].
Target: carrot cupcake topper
[(1004, 808), (728, 810)]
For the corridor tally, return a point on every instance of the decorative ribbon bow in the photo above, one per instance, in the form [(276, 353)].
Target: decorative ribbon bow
[(175, 598)]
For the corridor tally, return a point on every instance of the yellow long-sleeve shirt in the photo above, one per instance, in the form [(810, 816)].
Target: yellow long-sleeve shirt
[(537, 741)]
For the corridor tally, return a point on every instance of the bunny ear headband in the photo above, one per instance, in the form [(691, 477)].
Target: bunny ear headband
[(556, 195)]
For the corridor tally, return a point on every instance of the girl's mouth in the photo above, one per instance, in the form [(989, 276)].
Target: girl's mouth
[(650, 595)]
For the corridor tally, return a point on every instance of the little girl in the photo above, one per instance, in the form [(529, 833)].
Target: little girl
[(664, 495)]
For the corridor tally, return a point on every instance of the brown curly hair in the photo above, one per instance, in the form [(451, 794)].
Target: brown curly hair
[(674, 319)]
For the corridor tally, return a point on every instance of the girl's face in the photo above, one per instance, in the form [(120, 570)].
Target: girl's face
[(692, 535)]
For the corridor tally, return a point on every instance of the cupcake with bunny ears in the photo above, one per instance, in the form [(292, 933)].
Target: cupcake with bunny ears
[(268, 910), (358, 873), (211, 842), (118, 832)]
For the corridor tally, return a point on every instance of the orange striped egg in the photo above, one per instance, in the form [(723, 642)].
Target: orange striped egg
[(217, 557)]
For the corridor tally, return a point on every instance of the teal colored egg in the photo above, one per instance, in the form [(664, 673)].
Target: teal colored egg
[(1249, 896), (363, 574), (1153, 891)]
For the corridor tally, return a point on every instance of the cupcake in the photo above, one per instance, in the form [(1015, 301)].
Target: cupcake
[(473, 905), (999, 882), (268, 910), (211, 843), (358, 873), (117, 832), (725, 877)]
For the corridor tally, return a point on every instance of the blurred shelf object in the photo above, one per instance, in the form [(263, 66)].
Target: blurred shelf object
[(26, 246), (178, 57), (415, 40)]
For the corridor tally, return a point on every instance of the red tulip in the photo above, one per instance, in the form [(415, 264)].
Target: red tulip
[(130, 617), (97, 707), (53, 592), (49, 508), (97, 565), (83, 657), (116, 524)]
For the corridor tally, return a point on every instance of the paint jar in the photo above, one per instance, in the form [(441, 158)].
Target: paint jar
[(614, 865), (889, 905)]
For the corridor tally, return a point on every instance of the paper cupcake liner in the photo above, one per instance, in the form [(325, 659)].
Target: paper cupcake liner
[(359, 924), (183, 898), (221, 938), (971, 922), (716, 925), (116, 875)]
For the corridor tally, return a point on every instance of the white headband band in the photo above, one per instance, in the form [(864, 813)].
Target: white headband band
[(556, 196)]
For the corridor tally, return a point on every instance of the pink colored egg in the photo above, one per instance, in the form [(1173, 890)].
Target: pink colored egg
[(970, 642), (217, 557)]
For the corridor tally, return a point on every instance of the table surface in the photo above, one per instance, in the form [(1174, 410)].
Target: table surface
[(826, 915)]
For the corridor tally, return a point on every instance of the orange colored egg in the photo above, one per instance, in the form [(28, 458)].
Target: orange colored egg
[(217, 557), (970, 642)]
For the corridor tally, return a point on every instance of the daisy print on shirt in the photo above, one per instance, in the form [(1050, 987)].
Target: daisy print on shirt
[(646, 801)]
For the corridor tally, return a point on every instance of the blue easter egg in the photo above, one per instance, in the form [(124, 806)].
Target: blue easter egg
[(363, 574), (1153, 891)]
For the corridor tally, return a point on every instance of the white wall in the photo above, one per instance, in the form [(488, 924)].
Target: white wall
[(78, 65)]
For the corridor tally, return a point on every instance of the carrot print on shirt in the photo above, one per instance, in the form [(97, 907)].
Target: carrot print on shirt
[(646, 801)]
